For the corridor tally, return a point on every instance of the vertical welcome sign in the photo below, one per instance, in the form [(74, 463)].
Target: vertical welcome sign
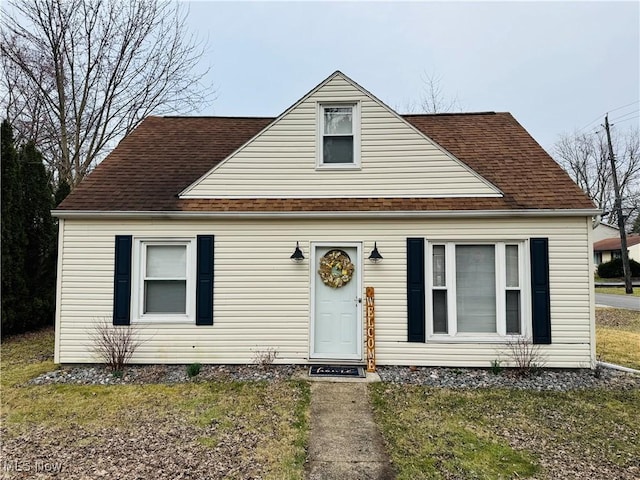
[(371, 329)]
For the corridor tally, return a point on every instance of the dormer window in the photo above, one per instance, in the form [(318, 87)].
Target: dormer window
[(339, 135)]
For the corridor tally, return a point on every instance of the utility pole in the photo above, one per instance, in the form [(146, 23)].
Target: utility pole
[(628, 286)]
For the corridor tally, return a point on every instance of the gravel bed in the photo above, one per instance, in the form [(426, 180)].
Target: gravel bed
[(139, 374), (548, 379)]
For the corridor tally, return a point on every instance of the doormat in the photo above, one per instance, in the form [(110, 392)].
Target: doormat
[(336, 371)]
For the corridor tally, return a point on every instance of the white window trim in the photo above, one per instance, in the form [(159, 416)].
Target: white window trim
[(137, 282), (356, 165), (524, 271)]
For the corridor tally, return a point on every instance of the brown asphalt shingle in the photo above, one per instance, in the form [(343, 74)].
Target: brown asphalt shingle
[(164, 155), (614, 243)]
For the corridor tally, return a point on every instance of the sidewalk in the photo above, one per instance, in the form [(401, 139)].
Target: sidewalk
[(344, 442)]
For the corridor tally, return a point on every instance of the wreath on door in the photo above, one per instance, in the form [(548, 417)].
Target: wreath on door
[(336, 268)]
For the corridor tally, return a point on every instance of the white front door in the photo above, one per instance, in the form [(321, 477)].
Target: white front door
[(336, 329)]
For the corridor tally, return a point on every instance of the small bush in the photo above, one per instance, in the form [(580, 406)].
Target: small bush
[(114, 344), (193, 369), (613, 269), (525, 356), (265, 358), (496, 367)]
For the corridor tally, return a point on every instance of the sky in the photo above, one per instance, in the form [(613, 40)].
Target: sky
[(557, 67)]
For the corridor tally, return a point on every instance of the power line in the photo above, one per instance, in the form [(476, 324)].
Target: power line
[(623, 106), (602, 114), (589, 124), (633, 112), (627, 119)]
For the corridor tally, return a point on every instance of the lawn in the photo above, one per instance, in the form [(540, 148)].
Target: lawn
[(501, 433), (618, 291), (618, 336), (504, 434), (250, 430), (200, 430)]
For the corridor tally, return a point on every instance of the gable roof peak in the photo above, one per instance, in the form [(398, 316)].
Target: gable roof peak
[(142, 174)]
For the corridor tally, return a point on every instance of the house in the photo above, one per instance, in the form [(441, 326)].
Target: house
[(610, 249), (187, 230), (604, 230)]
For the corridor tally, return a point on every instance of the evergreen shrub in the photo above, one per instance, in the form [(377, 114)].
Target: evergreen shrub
[(613, 269)]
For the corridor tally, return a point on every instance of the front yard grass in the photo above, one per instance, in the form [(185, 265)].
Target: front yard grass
[(226, 429), (501, 433), (248, 430), (618, 336)]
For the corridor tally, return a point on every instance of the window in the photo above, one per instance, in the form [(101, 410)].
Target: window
[(339, 128), (597, 258), (512, 293), (475, 290), (439, 291), (165, 279), (164, 284)]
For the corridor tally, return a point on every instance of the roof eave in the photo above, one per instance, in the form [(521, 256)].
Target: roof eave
[(327, 214)]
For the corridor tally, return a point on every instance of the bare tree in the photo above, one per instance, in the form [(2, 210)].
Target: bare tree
[(434, 99), (81, 74), (585, 157)]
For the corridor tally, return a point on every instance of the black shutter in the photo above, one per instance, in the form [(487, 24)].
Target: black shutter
[(204, 285), (540, 295), (122, 281), (415, 289)]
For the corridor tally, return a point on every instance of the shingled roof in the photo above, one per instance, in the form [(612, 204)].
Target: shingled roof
[(164, 155), (615, 243)]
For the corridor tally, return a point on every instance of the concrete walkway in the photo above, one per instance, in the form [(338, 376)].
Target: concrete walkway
[(345, 443)]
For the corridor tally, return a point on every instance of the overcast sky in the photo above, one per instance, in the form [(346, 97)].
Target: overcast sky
[(556, 66)]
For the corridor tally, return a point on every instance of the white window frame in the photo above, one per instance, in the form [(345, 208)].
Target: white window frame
[(355, 117), (137, 290), (524, 282)]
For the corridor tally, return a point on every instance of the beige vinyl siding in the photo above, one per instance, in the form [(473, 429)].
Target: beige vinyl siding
[(603, 231), (281, 162), (634, 253), (261, 298)]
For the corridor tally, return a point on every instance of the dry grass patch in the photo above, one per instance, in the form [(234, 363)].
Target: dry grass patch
[(500, 433), (26, 356), (619, 319), (205, 430), (618, 336), (618, 347)]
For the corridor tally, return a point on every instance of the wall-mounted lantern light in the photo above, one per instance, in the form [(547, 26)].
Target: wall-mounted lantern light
[(375, 256), (297, 254)]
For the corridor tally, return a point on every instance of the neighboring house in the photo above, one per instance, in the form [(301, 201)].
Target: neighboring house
[(600, 232), (604, 230), (187, 228), (610, 248)]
